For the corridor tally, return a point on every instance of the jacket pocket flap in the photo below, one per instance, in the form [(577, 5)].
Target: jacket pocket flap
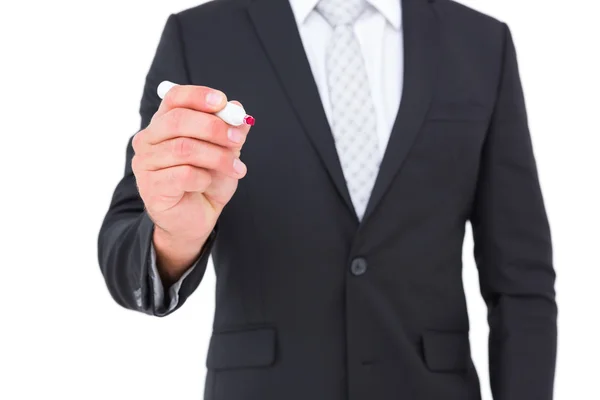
[(446, 351), (241, 349)]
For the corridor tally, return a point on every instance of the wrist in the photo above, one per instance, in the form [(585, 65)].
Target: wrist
[(175, 255)]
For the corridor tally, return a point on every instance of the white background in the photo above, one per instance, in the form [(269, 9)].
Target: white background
[(71, 79)]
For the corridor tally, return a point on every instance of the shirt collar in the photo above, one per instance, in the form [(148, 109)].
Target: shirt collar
[(390, 9)]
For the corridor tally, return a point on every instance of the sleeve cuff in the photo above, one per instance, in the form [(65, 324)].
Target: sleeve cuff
[(160, 308)]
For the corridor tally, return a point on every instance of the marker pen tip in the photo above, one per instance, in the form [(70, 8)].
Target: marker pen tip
[(249, 120)]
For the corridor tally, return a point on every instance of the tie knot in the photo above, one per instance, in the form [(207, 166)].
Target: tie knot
[(341, 12)]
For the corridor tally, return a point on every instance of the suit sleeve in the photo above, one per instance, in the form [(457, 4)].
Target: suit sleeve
[(124, 243), (513, 250)]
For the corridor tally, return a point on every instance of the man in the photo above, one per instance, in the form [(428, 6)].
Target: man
[(382, 128)]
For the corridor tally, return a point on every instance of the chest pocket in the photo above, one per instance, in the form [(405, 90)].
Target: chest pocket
[(458, 111)]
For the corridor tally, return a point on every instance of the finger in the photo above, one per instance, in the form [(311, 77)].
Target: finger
[(195, 124), (199, 98), (220, 190), (188, 151), (198, 125), (177, 180)]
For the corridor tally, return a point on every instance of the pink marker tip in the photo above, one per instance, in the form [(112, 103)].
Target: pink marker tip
[(249, 120)]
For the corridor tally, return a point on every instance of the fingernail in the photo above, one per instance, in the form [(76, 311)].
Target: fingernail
[(235, 135), (214, 98), (239, 166)]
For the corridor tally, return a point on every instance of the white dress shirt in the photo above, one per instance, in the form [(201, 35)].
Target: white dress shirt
[(379, 32)]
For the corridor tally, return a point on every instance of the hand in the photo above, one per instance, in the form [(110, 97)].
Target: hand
[(187, 169)]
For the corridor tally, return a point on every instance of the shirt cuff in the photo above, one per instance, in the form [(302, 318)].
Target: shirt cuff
[(158, 290)]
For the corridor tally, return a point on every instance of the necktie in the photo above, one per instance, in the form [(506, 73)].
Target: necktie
[(353, 119)]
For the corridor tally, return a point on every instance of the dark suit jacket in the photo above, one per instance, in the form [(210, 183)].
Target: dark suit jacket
[(310, 303)]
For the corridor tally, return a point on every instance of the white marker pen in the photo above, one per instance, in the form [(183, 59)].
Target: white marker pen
[(232, 113)]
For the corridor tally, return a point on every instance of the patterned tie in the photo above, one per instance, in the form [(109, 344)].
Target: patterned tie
[(353, 119)]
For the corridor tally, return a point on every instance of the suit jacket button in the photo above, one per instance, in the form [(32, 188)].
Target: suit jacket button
[(358, 266)]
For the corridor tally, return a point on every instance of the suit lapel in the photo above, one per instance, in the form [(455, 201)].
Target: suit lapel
[(276, 27), (421, 42)]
